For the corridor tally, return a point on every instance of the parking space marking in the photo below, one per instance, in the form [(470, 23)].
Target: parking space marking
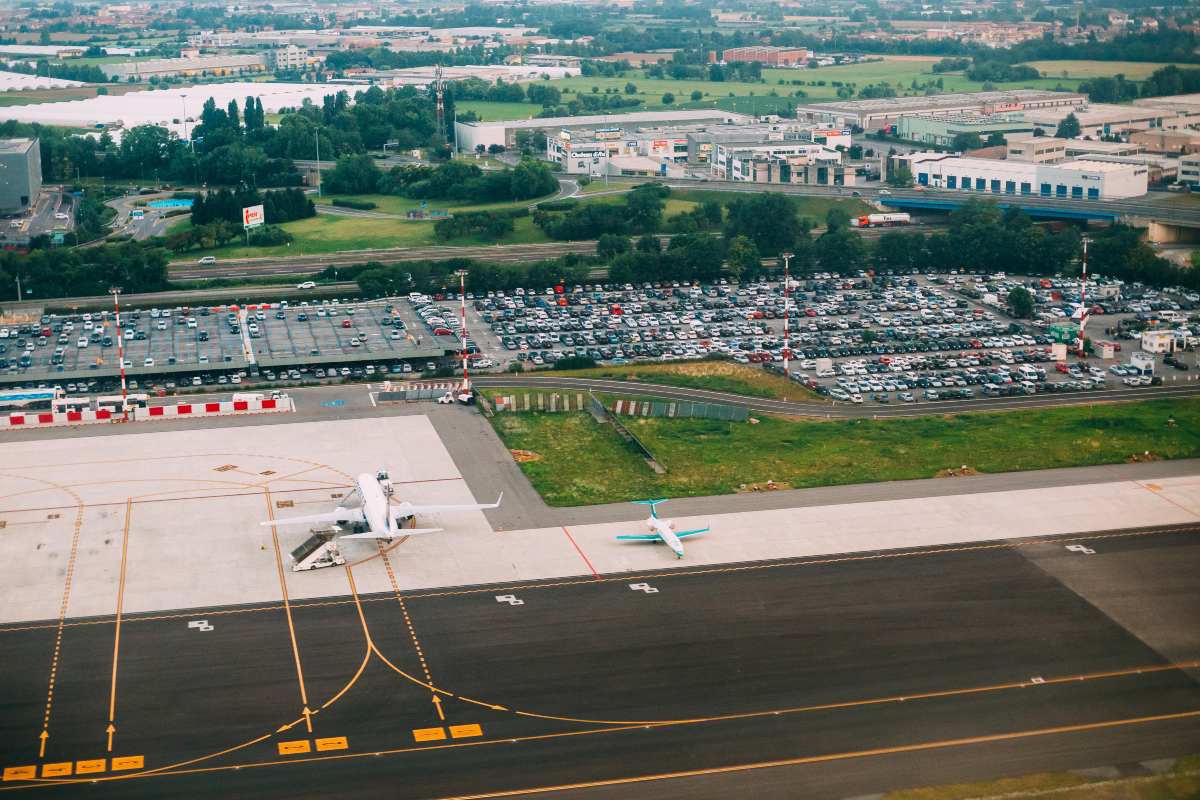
[(59, 769), (294, 747), (465, 731), (20, 773), (332, 743), (511, 599), (91, 766), (128, 762)]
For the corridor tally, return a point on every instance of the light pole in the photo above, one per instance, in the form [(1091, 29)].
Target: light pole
[(116, 293), (462, 296), (787, 296), (317, 138), (186, 135)]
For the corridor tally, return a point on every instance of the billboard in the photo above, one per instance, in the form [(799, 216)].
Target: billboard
[(253, 216)]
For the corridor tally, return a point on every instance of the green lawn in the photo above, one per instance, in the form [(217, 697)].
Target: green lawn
[(392, 204), (1133, 70), (490, 112), (706, 457)]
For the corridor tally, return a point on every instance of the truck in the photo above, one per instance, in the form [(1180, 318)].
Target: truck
[(881, 220)]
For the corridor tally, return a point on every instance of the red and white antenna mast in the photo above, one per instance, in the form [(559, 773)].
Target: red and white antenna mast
[(462, 296), (787, 322)]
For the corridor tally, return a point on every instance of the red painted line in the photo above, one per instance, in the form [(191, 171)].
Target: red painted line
[(575, 544)]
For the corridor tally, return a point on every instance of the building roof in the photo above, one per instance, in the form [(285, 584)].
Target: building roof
[(612, 119), (1095, 114), (933, 102), (12, 146)]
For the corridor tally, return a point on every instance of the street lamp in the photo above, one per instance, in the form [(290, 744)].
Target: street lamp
[(317, 138)]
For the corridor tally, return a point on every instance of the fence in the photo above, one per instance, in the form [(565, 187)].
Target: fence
[(680, 409), (547, 402), (48, 419)]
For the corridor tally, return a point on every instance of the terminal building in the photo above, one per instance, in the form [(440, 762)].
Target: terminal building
[(885, 113), (20, 175), (1075, 180)]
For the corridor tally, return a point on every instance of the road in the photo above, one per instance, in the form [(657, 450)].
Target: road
[(154, 222), (812, 678), (833, 409)]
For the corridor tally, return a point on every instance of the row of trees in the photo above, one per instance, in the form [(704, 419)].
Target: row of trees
[(375, 280), (454, 180), (284, 205), (86, 271)]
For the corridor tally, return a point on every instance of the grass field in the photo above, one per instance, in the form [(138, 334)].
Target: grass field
[(717, 376), (490, 112), (706, 457), (391, 204), (1133, 70)]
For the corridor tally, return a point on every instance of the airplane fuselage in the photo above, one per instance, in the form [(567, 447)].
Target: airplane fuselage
[(374, 502), (664, 530)]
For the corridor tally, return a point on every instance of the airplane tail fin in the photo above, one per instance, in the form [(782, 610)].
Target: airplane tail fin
[(653, 504)]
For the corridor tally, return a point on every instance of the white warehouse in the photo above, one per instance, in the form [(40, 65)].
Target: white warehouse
[(1076, 180)]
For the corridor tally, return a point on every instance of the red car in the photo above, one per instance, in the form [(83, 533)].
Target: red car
[(1061, 366)]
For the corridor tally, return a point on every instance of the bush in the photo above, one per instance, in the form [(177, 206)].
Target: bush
[(359, 205), (575, 362), (269, 236), (566, 204)]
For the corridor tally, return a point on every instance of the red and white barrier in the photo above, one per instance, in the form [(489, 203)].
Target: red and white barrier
[(223, 408), (50, 419)]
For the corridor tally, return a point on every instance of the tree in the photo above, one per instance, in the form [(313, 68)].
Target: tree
[(668, 99), (836, 218), (767, 219), (841, 251), (744, 258), (530, 179), (610, 245), (543, 94), (353, 175), (966, 141), (649, 244), (1069, 127), (901, 177), (1020, 303), (644, 207), (697, 95), (631, 88)]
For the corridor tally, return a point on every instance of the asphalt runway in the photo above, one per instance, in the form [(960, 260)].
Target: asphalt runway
[(809, 678)]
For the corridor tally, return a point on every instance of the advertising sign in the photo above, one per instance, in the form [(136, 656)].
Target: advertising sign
[(253, 216)]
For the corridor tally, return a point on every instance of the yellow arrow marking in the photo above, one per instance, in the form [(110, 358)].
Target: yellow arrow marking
[(42, 748), (437, 703), (112, 694)]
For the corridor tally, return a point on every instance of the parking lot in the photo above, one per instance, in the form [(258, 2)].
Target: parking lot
[(886, 339), (182, 346)]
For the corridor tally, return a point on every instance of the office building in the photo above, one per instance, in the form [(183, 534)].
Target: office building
[(769, 56), (942, 130), (20, 175)]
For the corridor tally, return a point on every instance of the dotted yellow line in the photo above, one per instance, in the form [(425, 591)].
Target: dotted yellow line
[(387, 563), (62, 615)]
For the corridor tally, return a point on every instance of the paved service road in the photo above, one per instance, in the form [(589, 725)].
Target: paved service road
[(814, 678)]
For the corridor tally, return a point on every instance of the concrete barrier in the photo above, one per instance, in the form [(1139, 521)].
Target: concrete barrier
[(225, 408), (48, 419)]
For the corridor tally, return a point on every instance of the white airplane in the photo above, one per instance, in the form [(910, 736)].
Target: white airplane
[(663, 530), (369, 512)]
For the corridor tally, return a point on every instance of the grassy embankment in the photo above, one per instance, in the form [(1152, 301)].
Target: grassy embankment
[(1182, 782), (705, 457), (717, 376)]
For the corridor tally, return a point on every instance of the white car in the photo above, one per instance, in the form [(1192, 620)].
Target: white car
[(208, 260), (148, 362), (62, 215), (307, 285)]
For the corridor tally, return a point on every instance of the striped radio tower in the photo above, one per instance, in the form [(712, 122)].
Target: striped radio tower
[(439, 92), (462, 296)]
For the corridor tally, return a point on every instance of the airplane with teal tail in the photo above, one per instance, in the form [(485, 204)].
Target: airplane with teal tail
[(662, 530)]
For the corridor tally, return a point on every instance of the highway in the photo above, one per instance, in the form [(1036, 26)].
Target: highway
[(834, 409), (813, 678)]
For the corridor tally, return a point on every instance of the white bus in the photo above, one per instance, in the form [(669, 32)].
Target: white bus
[(64, 404), (28, 399), (113, 402)]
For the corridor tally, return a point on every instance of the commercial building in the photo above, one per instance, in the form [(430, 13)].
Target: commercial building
[(1077, 180), (1036, 149), (204, 66), (20, 175), (781, 162), (1161, 141), (942, 130), (288, 58), (772, 56), (469, 135), (888, 111), (1099, 119), (1189, 169)]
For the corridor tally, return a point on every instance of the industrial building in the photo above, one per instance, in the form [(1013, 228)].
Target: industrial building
[(771, 56), (888, 111), (1100, 119), (1077, 180), (1189, 169), (20, 175), (781, 162), (941, 130), (1036, 149), (469, 135), (201, 66)]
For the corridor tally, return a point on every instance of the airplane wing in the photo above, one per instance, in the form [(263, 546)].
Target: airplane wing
[(395, 534), (641, 537), (338, 516), (407, 509), (685, 534)]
